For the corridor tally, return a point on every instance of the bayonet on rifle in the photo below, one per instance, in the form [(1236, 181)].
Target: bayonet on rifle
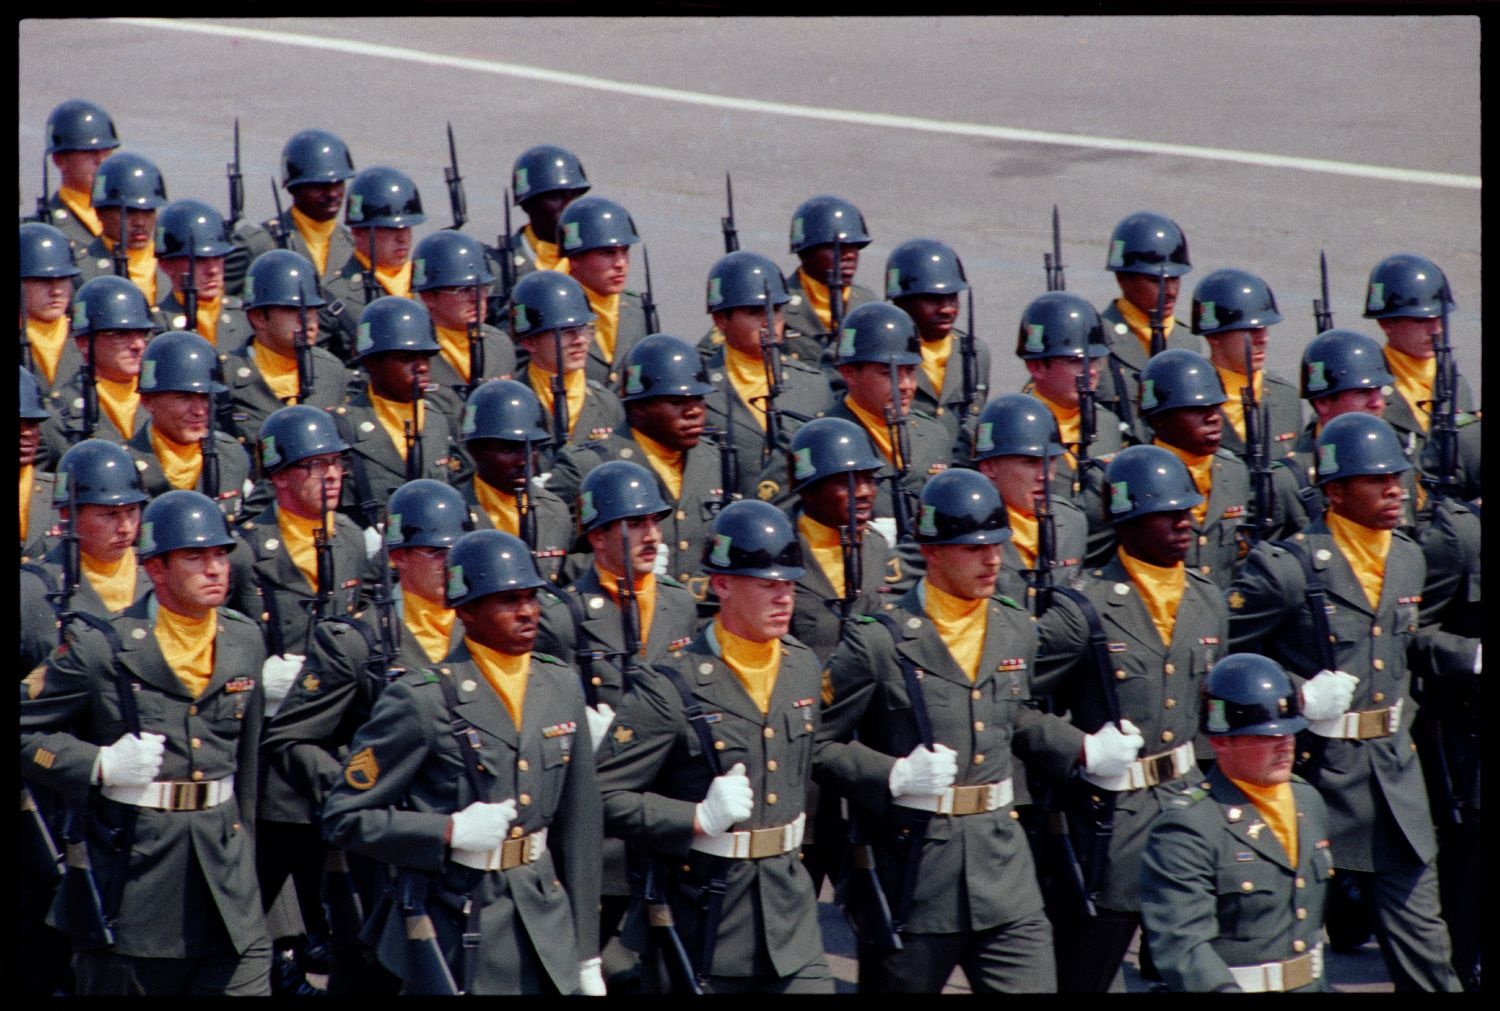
[(726, 223), (456, 199), (236, 182)]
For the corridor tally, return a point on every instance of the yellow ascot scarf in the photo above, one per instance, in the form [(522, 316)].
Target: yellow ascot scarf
[(548, 254), (1234, 407), (82, 206), (1365, 550), (208, 319), (645, 598), (297, 536), (875, 428), (279, 371), (187, 644), (140, 264), (823, 543), (754, 664), (1140, 323), (747, 374), (1069, 425), (28, 478), (1023, 533), (500, 506), (113, 581), (395, 282), (318, 235), (961, 624), (455, 348), (607, 326), (119, 402), (47, 340), (1277, 806), (506, 674), (1414, 379), (1202, 470), (1161, 589), (935, 356), (818, 300), (666, 462), (430, 622), (575, 385), (181, 462), (393, 416)]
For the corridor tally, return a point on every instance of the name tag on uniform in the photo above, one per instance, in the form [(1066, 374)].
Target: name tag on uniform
[(937, 468), (350, 584), (1014, 663), (1413, 599), (1209, 640), (559, 729), (240, 684), (1245, 857), (712, 717), (1233, 511), (802, 703), (677, 644), (1116, 647)]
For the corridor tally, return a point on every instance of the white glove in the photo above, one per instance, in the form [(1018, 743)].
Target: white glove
[(730, 799), (924, 773), (277, 675), (663, 557), (1479, 659), (482, 826), (542, 478), (1328, 695), (885, 526), (591, 977), (373, 540), (1107, 752), (600, 717), (131, 761)]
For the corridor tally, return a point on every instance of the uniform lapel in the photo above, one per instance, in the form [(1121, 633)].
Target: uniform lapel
[(140, 655), (478, 704), (1127, 611), (717, 685), (921, 643), (1245, 821), (1334, 569)]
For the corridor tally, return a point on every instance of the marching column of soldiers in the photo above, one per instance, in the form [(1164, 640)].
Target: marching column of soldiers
[(428, 618)]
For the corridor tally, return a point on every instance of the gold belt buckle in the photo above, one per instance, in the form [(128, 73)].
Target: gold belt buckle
[(1157, 769), (1297, 972), (1373, 723), (513, 852), (968, 799), (766, 842), (188, 796)]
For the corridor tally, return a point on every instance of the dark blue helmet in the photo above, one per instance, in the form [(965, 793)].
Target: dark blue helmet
[(108, 302), (383, 197), (545, 169), (95, 472), (819, 221), (76, 125), (176, 520), (1148, 243), (753, 538), (392, 323), (1179, 378), (1339, 360), (1060, 324), (186, 226), (295, 433), (547, 300), (923, 267), (594, 223), (1016, 424), (315, 156), (489, 561), (180, 361), (1407, 285), (664, 366), (742, 279), (128, 180), (426, 514), (282, 277), (1246, 693), (44, 252), (961, 506), (619, 490), (448, 259), (879, 332), (827, 446), (1354, 444), (1148, 479), (504, 409), (1232, 300)]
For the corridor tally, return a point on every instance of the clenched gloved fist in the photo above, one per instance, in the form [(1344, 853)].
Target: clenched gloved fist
[(1328, 695), (730, 799), (131, 761), (924, 773), (1108, 752), (482, 825)]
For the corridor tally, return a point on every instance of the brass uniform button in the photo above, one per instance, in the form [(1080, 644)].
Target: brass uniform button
[(1299, 945), (1378, 663), (681, 514), (1301, 881), (770, 798), (769, 732), (1247, 886), (1167, 736), (1169, 668), (978, 726), (192, 710), (517, 831), (1202, 539), (978, 759), (1301, 913), (683, 545), (975, 695), (771, 765), (1170, 703), (1016, 815), (525, 799), (718, 745), (1374, 629), (1119, 675), (1205, 569), (1379, 696), (523, 765), (197, 742), (197, 775)]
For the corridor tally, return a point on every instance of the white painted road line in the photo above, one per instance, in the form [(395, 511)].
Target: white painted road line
[(246, 31)]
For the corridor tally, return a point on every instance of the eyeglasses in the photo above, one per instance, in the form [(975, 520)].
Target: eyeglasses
[(320, 465), (468, 290), (577, 333)]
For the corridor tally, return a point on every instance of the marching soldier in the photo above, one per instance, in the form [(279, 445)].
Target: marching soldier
[(80, 135), (936, 684), (128, 189), (1235, 873), (1015, 446), (263, 375), (315, 167), (494, 831), (503, 425), (544, 180), (738, 287), (111, 325), (47, 271), (179, 381), (820, 225), (191, 234), (551, 320), (35, 512), (151, 720), (1138, 654), (664, 389), (708, 766), (595, 235), (1147, 251), (1344, 596), (383, 206), (1228, 307), (923, 278)]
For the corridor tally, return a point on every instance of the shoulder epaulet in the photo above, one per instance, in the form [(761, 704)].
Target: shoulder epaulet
[(865, 619), (231, 302), (918, 413), (1465, 418), (547, 658), (1189, 798), (427, 676), (234, 615), (596, 385), (1008, 602), (669, 581)]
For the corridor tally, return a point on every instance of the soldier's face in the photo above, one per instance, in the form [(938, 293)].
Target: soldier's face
[(869, 385), (392, 245), (1018, 479), (394, 374), (675, 422), (1227, 350), (1160, 539), (756, 609), (1057, 378), (827, 499), (78, 168), (455, 307), (817, 263), (505, 622), (117, 353), (544, 209), (1195, 430), (422, 571), (602, 271), (575, 348), (311, 486), (1370, 401), (31, 441), (644, 533), (1254, 759), (46, 297), (742, 326), (277, 326), (1411, 335), (1140, 291), (500, 463), (1371, 500), (140, 226), (208, 277), (106, 532), (967, 571), (190, 581), (934, 315), (319, 201), (181, 417)]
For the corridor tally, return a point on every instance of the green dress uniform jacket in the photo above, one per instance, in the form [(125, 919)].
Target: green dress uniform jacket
[(68, 364), (265, 582), (96, 260), (261, 238), (189, 883), (814, 623), (499, 363), (67, 402), (1158, 688), (405, 777), (630, 331), (41, 518), (555, 530), (1218, 889), (805, 336), (1127, 351), (1285, 413), (250, 400), (601, 411), (946, 405), (65, 221), (344, 297), (1401, 416), (1373, 788), (652, 774), (234, 471), (805, 395), (378, 467), (976, 870), (1072, 531), (233, 329), (522, 258), (48, 572)]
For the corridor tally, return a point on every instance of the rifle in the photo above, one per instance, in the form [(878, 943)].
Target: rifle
[(121, 252), (726, 223), (851, 540), (476, 343), (190, 287), (28, 362), (896, 426), (1444, 407), (41, 201), (427, 969), (559, 397), (303, 347), (729, 456), (770, 356), (456, 199), (1088, 423), (277, 232), (72, 570), (506, 251), (969, 361), (1046, 545), (412, 428), (1052, 261), (836, 293), (88, 378), (236, 182), (523, 501), (648, 303), (387, 626), (1158, 319), (1257, 452), (372, 285), (630, 615), (322, 602), (208, 480), (1322, 307)]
